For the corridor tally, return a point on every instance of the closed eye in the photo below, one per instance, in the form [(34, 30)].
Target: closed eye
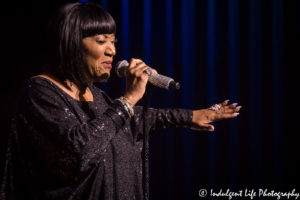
[(100, 41)]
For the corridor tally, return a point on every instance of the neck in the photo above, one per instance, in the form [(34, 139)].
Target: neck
[(72, 86)]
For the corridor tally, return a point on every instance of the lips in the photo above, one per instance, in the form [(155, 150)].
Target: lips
[(107, 64)]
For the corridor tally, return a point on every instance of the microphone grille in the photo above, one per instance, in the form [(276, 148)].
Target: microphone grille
[(121, 68)]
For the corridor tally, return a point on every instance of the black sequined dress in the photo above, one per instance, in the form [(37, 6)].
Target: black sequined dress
[(62, 148)]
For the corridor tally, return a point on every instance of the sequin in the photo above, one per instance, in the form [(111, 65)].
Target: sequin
[(74, 149)]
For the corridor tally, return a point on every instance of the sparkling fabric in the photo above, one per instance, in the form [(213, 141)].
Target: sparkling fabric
[(61, 148)]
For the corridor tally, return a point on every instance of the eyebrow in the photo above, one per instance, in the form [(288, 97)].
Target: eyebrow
[(106, 36)]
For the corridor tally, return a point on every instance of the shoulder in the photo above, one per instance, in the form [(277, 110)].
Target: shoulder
[(38, 82), (40, 88), (38, 85)]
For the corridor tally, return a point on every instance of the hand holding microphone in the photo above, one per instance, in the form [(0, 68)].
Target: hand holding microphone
[(136, 80), (137, 75), (154, 78)]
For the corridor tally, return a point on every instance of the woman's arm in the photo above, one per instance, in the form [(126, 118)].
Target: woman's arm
[(54, 129), (198, 120), (163, 118)]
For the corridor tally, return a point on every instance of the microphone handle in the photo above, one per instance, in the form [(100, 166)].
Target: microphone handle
[(155, 79), (162, 81)]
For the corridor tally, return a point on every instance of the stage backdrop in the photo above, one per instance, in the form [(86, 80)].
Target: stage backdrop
[(245, 51)]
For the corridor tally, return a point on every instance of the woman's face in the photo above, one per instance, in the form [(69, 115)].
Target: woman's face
[(99, 51)]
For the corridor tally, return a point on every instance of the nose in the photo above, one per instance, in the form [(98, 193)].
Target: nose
[(110, 50)]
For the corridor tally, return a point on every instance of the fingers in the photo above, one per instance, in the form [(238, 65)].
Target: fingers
[(225, 108), (224, 111), (136, 65), (203, 127), (224, 103), (226, 116), (203, 117), (137, 68), (153, 71), (133, 62), (230, 109), (207, 127), (233, 105)]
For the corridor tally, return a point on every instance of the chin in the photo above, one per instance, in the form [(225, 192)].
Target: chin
[(102, 78)]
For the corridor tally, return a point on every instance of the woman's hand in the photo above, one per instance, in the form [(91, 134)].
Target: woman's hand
[(136, 80), (202, 118)]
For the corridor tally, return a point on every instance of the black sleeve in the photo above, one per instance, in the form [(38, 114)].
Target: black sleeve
[(163, 118), (56, 135)]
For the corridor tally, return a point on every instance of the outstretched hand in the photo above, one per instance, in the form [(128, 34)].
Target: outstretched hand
[(203, 117)]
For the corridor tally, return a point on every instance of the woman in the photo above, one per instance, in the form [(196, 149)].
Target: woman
[(69, 140)]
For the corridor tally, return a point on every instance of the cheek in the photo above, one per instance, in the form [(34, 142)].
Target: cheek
[(96, 52), (93, 58)]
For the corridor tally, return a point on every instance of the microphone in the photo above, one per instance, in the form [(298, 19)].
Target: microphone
[(155, 79)]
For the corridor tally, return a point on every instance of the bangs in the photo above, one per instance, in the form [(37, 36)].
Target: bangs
[(96, 21), (70, 24)]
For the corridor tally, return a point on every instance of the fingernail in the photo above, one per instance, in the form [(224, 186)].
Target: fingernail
[(234, 104), (239, 107), (236, 114), (226, 100)]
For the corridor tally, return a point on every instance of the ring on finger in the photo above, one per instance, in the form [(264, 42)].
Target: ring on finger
[(215, 107)]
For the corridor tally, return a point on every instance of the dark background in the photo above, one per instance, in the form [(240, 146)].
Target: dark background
[(245, 51)]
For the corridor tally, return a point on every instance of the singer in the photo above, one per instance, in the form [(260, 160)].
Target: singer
[(68, 139)]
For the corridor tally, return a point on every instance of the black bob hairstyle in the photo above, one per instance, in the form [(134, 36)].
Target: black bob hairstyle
[(69, 25)]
